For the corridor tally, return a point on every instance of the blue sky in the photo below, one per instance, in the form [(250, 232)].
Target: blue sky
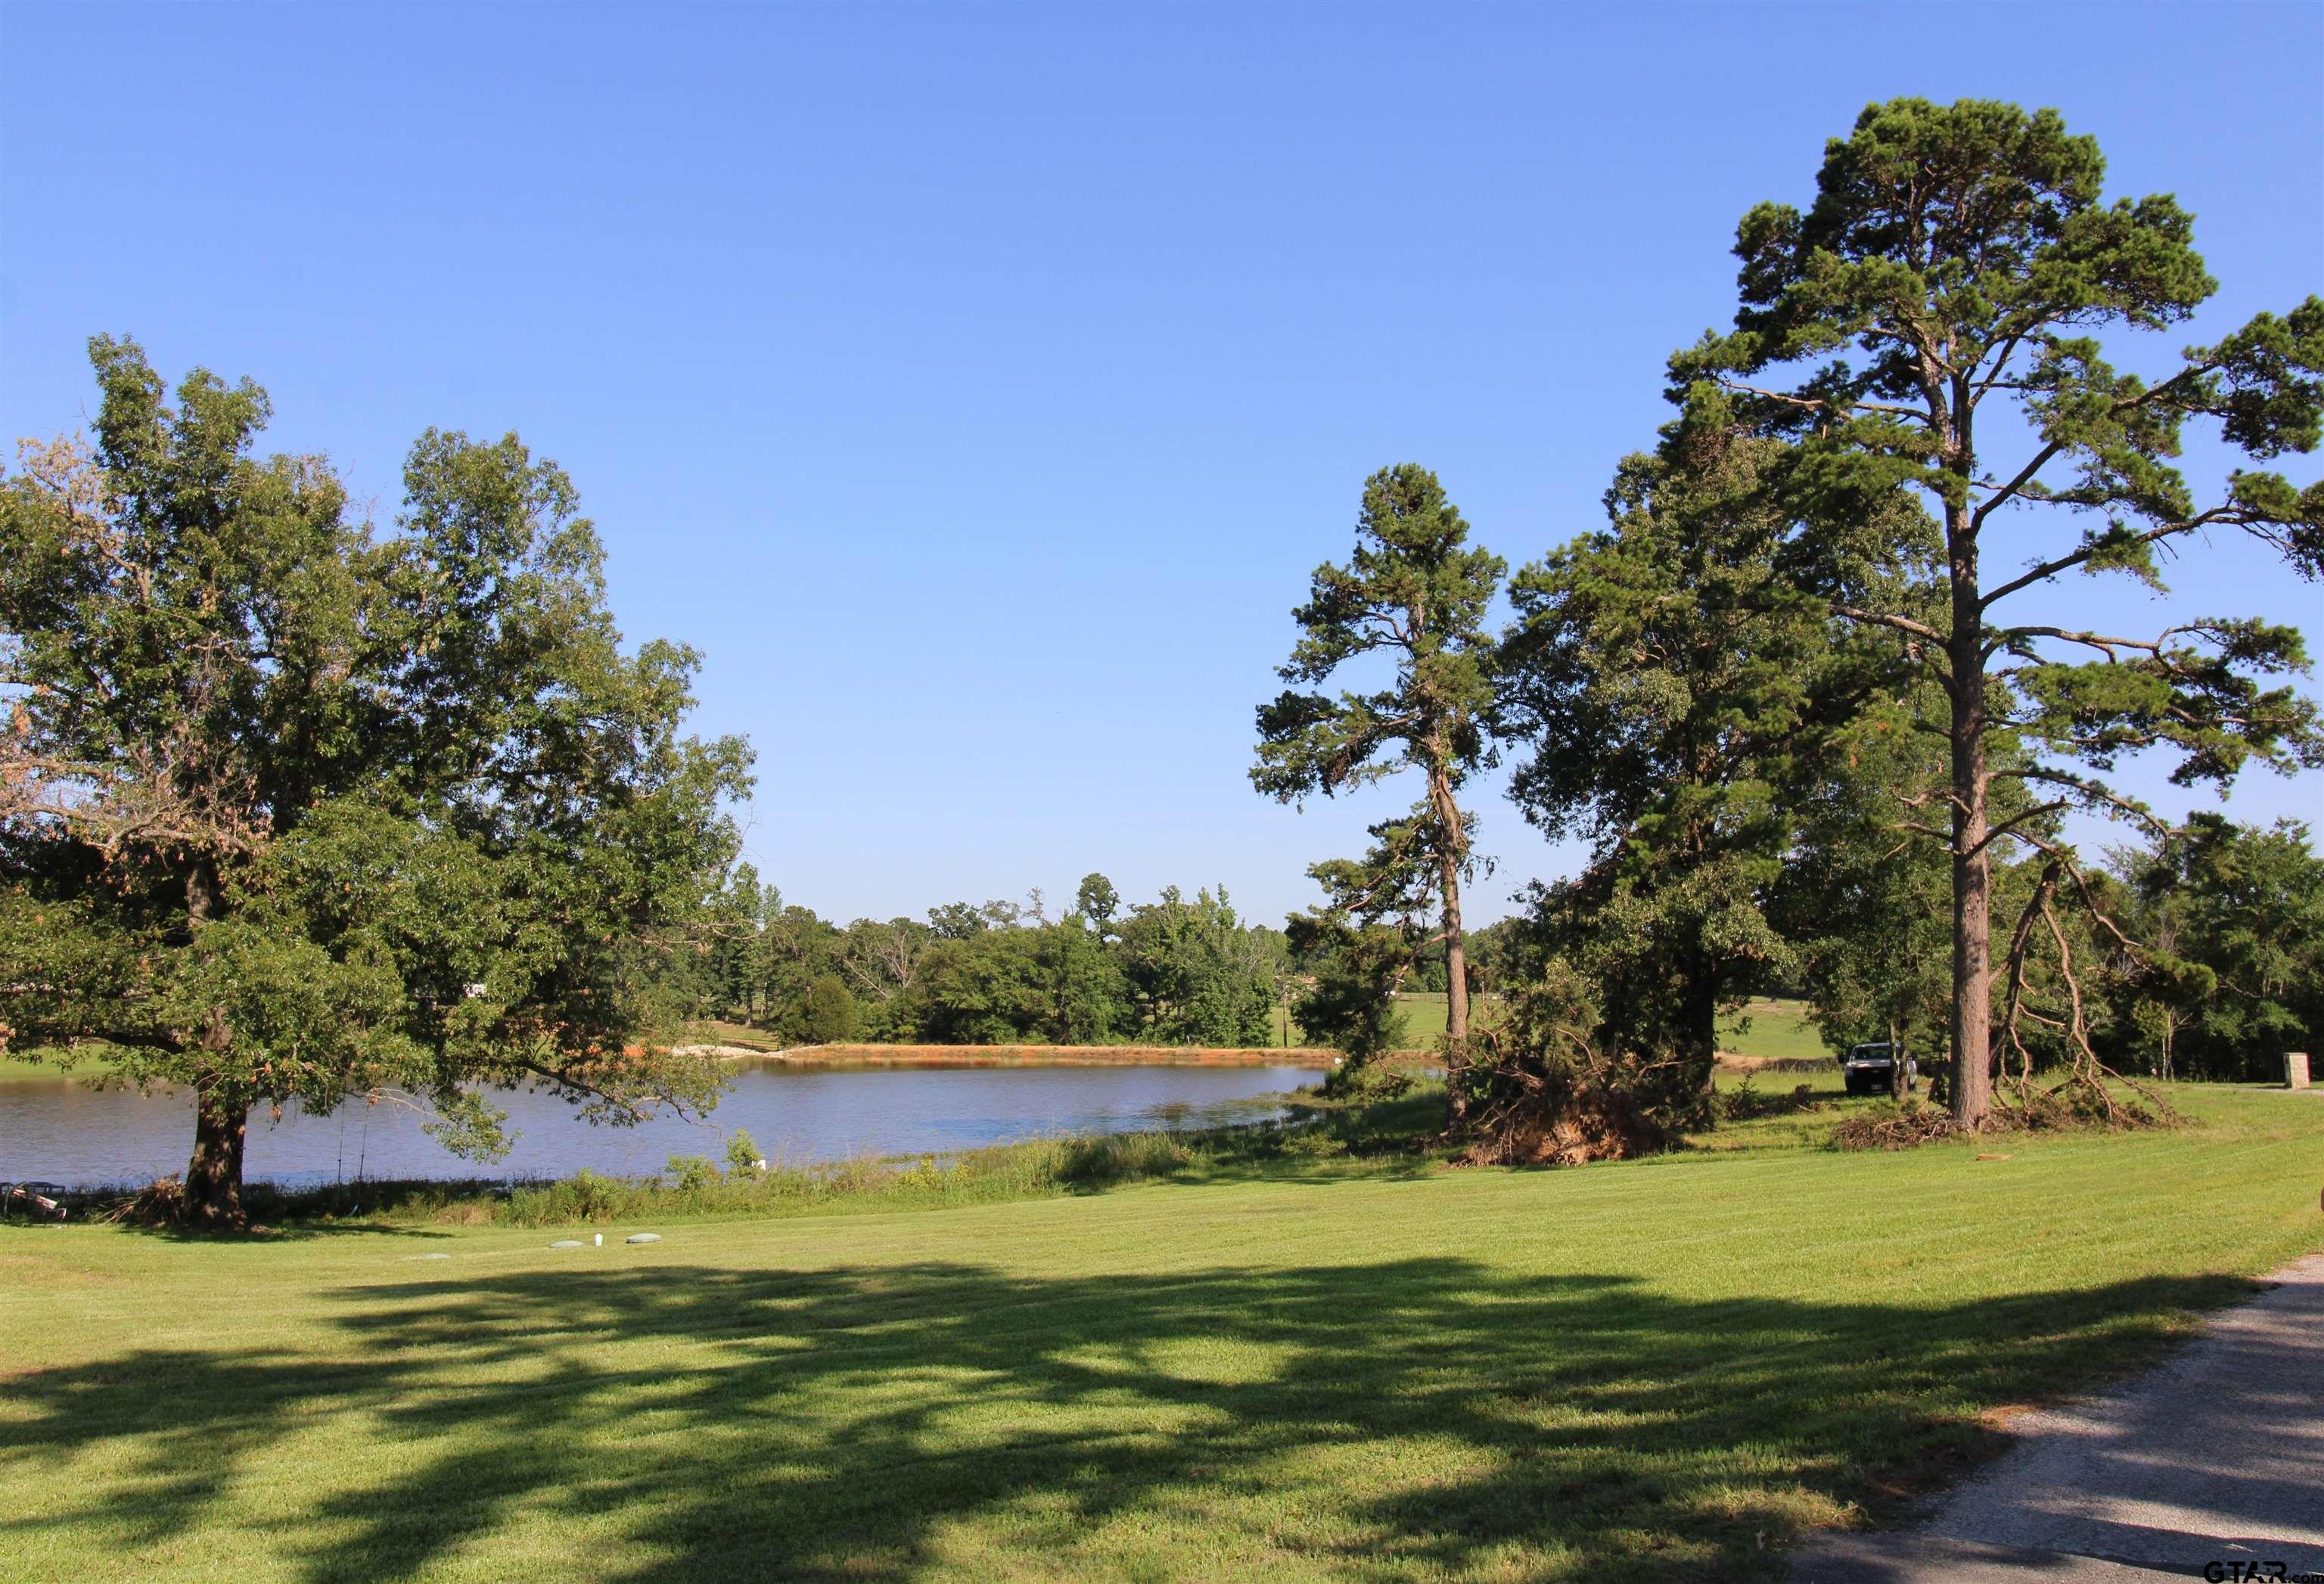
[(976, 386)]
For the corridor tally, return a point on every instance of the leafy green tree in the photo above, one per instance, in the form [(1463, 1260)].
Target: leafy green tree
[(2249, 907), (958, 921), (1196, 976), (744, 1157), (881, 963), (1097, 901), (1349, 1003), (727, 978), (1415, 593), (1870, 914), (2166, 991), (290, 811), (830, 1016), (1663, 672), (1086, 999), (1929, 326), (797, 947), (985, 988)]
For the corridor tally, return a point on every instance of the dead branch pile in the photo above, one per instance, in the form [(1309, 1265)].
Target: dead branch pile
[(160, 1204), (2089, 1092), (1906, 1127), (2067, 1107)]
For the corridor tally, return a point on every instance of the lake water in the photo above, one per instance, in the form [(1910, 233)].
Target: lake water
[(64, 1132)]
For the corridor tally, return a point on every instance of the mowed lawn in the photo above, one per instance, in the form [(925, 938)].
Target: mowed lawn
[(1420, 1019), (1763, 1027), (1777, 1031), (1359, 1370)]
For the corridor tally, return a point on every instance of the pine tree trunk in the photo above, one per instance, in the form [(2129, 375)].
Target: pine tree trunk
[(1456, 962), (1972, 1009), (1699, 1047), (1456, 1008), (213, 1175)]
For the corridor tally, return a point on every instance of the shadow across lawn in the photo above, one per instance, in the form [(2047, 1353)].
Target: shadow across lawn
[(1413, 1417)]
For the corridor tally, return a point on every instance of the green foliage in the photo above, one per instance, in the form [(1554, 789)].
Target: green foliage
[(1349, 1003), (1416, 592), (585, 1196), (1871, 913), (691, 1173), (1174, 971), (830, 1016), (2234, 977), (743, 1155), (1046, 984), (1097, 902), (1666, 673), (1196, 975), (1938, 310), (293, 811)]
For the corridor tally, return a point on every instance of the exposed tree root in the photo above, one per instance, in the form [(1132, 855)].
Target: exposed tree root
[(1589, 1124)]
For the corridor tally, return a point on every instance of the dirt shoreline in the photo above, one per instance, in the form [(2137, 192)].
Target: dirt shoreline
[(1024, 1055)]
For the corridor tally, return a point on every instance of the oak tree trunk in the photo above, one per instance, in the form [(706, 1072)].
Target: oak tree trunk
[(213, 1196), (214, 1176)]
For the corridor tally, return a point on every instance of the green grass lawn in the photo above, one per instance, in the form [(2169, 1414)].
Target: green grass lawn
[(1774, 1028), (1384, 1369), (1420, 1016), (1764, 1028), (17, 1067)]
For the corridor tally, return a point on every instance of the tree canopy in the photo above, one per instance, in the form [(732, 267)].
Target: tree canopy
[(1417, 594), (292, 810), (1931, 326)]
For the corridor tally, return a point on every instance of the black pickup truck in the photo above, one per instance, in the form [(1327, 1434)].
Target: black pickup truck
[(1871, 1069)]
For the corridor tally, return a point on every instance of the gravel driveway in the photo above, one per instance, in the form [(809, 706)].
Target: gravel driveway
[(2212, 1467)]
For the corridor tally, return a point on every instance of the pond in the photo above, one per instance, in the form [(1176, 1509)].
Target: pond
[(63, 1131)]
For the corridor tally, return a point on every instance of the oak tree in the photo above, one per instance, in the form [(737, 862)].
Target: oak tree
[(293, 811)]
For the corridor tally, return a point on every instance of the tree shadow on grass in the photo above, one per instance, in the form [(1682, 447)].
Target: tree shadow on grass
[(1413, 1417), (261, 1231)]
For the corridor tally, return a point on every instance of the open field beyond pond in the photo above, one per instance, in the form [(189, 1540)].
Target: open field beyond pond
[(1769, 1029), (1369, 1367)]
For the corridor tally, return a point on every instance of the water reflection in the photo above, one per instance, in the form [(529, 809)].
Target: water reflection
[(66, 1132)]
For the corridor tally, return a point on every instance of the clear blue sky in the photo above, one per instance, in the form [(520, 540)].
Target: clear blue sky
[(976, 386)]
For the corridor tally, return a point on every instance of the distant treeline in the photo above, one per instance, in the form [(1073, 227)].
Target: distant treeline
[(1177, 970)]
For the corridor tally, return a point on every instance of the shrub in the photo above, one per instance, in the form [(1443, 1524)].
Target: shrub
[(692, 1172), (831, 1017), (585, 1196), (742, 1156)]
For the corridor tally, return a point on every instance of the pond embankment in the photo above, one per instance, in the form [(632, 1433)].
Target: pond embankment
[(1023, 1056)]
